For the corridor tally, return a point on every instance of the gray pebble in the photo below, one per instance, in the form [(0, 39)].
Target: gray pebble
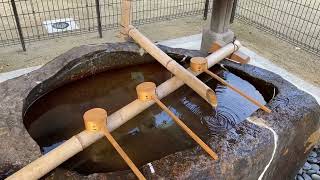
[(312, 160), (306, 176), (315, 167), (300, 171), (298, 177), (315, 177), (306, 166), (313, 154), (311, 171)]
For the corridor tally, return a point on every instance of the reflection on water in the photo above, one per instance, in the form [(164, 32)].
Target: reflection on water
[(150, 135), (233, 108)]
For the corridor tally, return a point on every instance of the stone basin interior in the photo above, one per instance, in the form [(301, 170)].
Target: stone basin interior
[(151, 135)]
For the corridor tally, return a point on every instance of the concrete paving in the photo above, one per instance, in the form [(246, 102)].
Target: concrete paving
[(16, 73)]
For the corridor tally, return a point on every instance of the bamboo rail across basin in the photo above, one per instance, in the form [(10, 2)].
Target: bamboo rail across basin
[(77, 143), (188, 78)]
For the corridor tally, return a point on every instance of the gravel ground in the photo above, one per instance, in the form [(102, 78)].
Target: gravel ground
[(311, 169)]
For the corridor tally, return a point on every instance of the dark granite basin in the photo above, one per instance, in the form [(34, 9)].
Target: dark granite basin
[(245, 149)]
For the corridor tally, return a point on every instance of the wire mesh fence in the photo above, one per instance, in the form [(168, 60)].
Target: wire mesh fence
[(296, 21), (44, 19)]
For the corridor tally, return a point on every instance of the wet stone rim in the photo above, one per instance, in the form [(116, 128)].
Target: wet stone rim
[(244, 151)]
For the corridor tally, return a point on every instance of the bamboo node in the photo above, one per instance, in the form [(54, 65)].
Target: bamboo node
[(80, 142), (129, 28), (212, 98), (146, 91), (171, 60), (95, 119), (198, 64)]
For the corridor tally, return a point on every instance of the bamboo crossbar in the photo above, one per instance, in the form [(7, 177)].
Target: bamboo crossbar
[(49, 161), (188, 78)]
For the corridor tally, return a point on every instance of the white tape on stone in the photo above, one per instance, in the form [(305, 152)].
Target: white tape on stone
[(261, 123), (151, 168)]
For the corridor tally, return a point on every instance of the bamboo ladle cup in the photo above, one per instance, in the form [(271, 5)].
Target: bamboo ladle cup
[(200, 64), (147, 92), (95, 120)]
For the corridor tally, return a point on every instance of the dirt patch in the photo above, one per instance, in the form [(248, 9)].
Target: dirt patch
[(287, 56)]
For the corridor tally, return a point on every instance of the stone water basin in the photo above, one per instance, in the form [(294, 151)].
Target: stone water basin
[(151, 135), (55, 97)]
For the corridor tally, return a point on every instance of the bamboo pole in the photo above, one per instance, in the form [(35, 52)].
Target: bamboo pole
[(199, 64), (192, 81), (125, 18), (146, 91), (95, 120), (49, 161)]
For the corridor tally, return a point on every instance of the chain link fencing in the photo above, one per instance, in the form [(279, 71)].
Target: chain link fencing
[(295, 21)]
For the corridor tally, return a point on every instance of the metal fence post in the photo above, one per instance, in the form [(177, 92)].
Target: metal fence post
[(233, 12), (206, 9), (16, 17), (98, 18)]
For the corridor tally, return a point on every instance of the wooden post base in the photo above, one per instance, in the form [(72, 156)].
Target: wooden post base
[(237, 56)]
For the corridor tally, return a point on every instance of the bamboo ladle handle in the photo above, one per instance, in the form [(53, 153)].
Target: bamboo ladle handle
[(124, 156), (96, 120), (147, 91), (187, 129), (238, 91), (199, 64)]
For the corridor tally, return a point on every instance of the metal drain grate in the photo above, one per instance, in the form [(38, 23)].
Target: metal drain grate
[(60, 25)]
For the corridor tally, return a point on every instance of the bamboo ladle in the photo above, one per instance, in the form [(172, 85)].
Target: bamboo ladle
[(147, 92), (95, 120), (200, 64)]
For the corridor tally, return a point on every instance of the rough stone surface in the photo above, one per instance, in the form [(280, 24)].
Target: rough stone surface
[(244, 151)]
